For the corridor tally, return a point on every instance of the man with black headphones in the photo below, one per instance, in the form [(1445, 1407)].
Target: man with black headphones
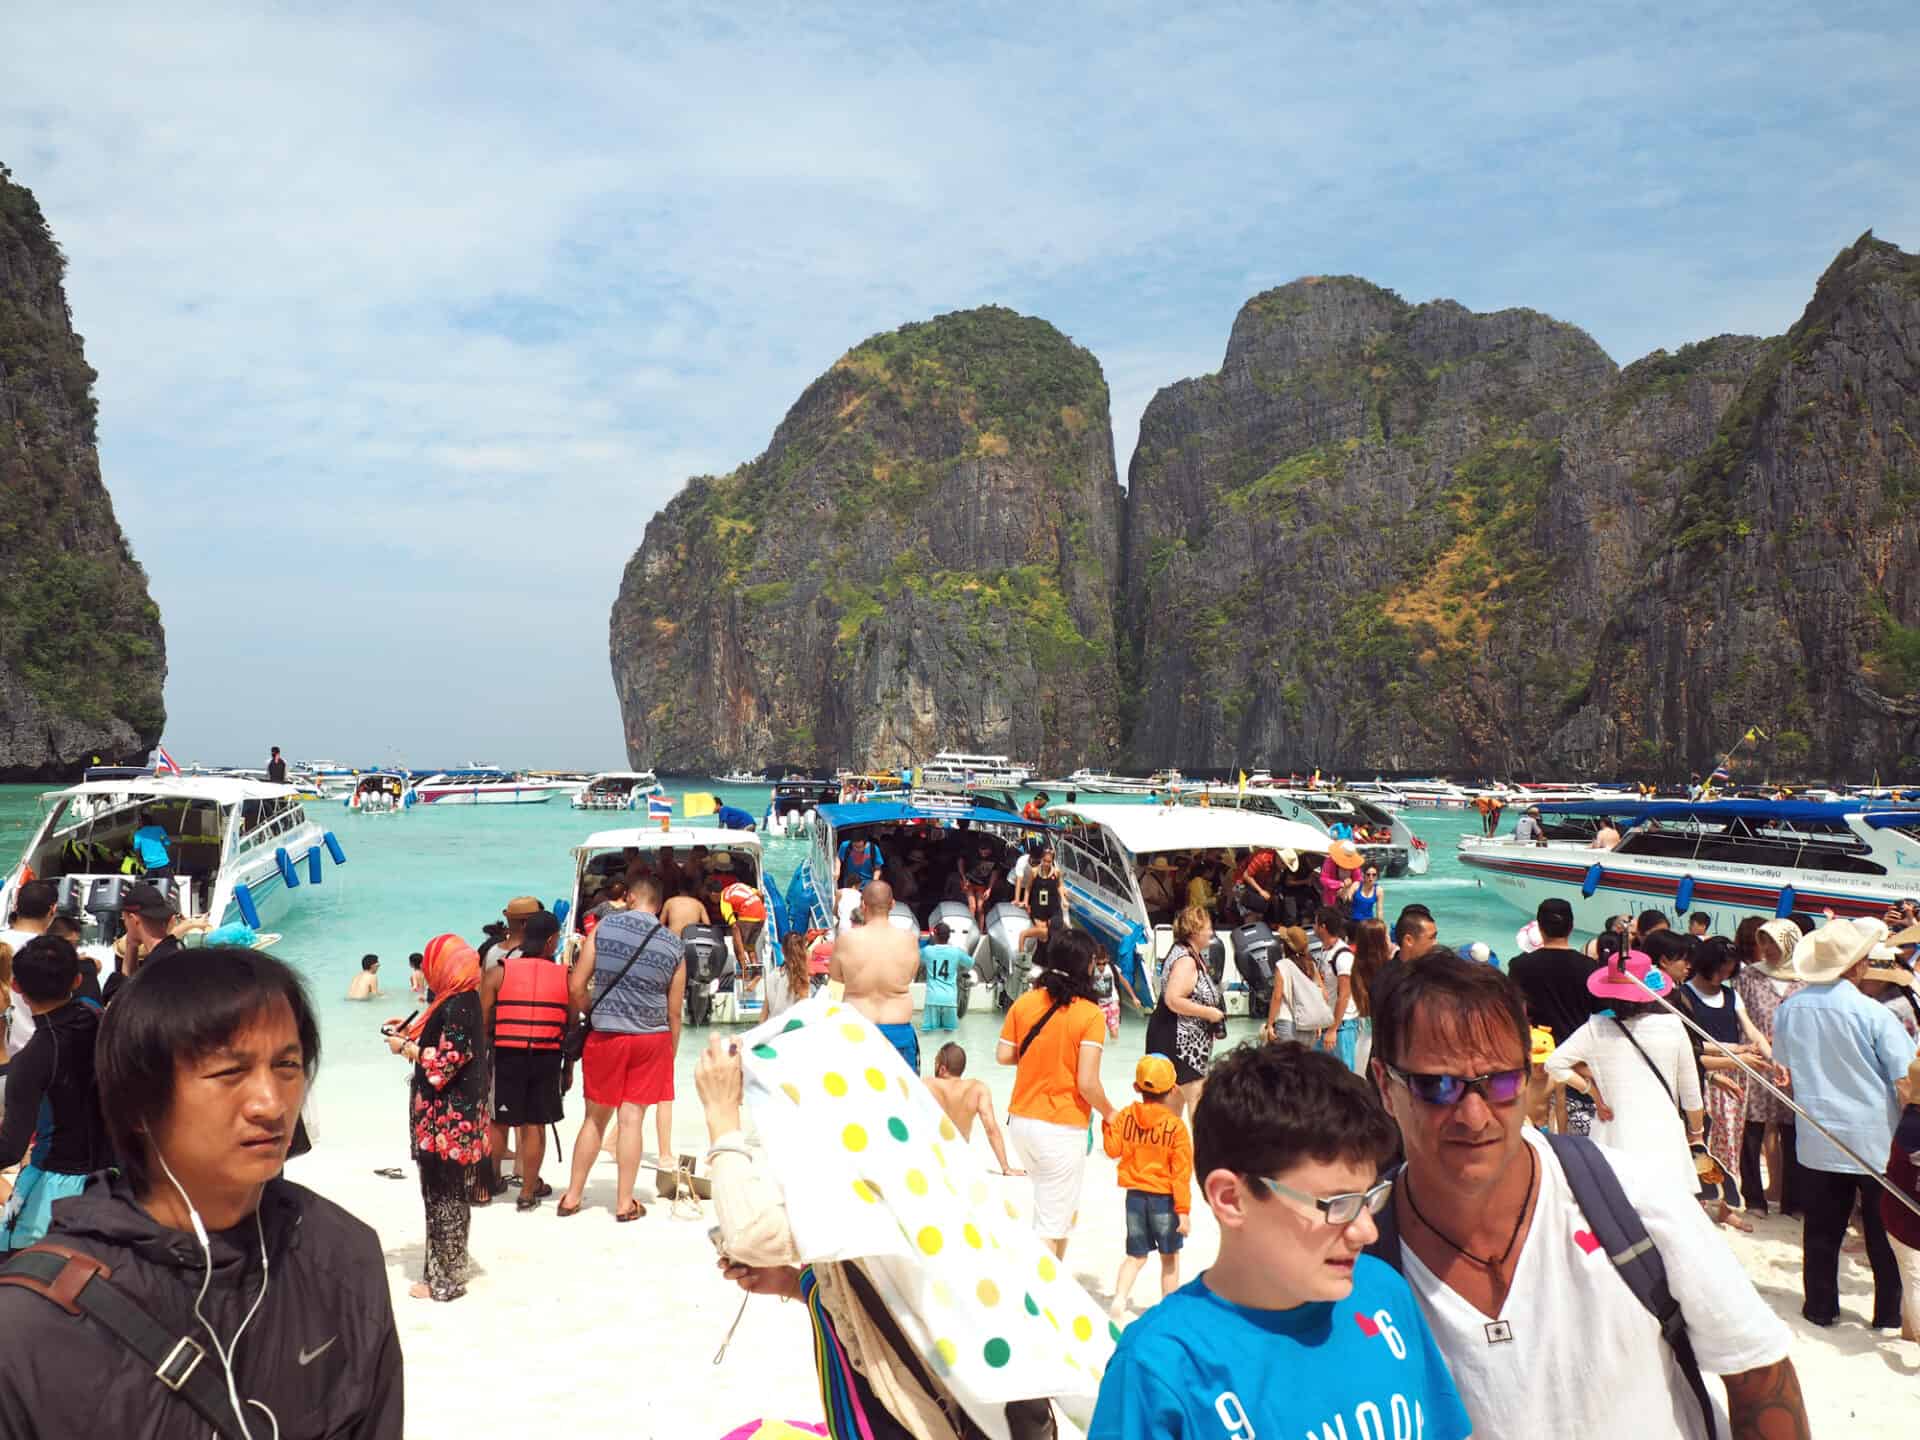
[(195, 1290)]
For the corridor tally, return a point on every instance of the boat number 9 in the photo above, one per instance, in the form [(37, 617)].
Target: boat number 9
[(1233, 1415)]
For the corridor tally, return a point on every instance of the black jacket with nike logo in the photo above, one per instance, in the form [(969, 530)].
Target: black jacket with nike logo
[(322, 1352)]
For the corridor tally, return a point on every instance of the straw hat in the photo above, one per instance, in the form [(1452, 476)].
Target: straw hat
[(720, 860), (1161, 863), (1634, 979), (521, 906), (1291, 859), (1891, 974), (1908, 936), (1295, 939), (1834, 949), (1786, 937), (1345, 854)]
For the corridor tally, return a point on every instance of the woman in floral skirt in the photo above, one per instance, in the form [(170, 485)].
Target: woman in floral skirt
[(448, 1110)]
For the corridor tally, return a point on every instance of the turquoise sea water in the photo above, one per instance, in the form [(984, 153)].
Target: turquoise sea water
[(412, 876)]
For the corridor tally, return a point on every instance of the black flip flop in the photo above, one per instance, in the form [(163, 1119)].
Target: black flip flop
[(563, 1212), (527, 1202), (391, 1172)]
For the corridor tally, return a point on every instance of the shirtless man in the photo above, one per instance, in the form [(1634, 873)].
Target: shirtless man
[(681, 911), (876, 903), (966, 1100), (876, 964)]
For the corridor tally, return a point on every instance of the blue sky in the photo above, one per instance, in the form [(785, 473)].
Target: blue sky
[(408, 318)]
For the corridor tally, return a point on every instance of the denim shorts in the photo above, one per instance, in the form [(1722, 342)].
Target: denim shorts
[(1152, 1224)]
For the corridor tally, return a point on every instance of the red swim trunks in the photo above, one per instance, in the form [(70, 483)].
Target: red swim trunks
[(627, 1069)]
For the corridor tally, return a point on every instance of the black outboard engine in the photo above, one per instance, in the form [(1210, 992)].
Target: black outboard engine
[(1217, 960), (1254, 954), (706, 952)]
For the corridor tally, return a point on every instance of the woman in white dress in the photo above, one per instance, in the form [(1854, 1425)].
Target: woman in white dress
[(1634, 1059)]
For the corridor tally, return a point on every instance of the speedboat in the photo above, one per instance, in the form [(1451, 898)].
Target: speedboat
[(937, 830), (1103, 849), (617, 790), (1731, 858), (380, 792), (1101, 782), (486, 787), (957, 767), (722, 986), (1431, 795), (793, 801), (241, 848), (1383, 838)]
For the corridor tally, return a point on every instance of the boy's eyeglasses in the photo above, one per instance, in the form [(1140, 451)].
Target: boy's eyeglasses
[(1499, 1087), (1338, 1209)]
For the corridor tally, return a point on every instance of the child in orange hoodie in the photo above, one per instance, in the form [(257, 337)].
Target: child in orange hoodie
[(1156, 1169)]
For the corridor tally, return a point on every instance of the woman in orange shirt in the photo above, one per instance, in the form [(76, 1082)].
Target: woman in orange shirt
[(1054, 1035)]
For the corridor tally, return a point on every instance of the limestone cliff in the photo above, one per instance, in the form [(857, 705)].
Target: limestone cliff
[(924, 558), (1785, 590), (82, 654)]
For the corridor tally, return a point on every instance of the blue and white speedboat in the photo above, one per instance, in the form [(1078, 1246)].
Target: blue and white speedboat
[(241, 850), (1730, 858)]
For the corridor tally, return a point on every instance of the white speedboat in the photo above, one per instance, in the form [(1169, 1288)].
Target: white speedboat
[(1101, 782), (617, 790), (1731, 858), (722, 985), (742, 777), (957, 767), (487, 787), (1103, 849), (241, 849), (1382, 836)]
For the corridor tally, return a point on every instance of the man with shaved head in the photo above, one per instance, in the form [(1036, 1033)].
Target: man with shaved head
[(876, 963), (876, 902)]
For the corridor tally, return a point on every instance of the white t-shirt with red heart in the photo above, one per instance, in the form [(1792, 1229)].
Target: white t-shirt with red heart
[(1573, 1352)]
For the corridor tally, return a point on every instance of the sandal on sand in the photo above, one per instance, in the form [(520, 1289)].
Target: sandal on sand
[(526, 1203), (625, 1216), (564, 1212), (544, 1191)]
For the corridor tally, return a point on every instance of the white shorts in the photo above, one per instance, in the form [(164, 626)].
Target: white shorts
[(1055, 1157)]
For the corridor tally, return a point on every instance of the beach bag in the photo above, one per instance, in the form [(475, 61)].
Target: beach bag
[(1621, 1233), (1305, 998)]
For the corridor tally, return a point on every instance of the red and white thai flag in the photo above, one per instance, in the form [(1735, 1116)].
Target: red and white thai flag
[(165, 764), (659, 807)]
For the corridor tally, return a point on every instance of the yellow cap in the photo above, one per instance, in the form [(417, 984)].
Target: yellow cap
[(1153, 1075)]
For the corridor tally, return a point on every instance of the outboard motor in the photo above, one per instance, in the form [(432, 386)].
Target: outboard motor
[(1217, 960), (965, 935), (707, 962), (901, 918), (1013, 969), (1254, 957)]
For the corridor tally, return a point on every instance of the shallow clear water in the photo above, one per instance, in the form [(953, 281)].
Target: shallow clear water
[(412, 876)]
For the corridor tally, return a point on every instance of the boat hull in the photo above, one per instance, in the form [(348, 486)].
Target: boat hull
[(488, 795), (1524, 875)]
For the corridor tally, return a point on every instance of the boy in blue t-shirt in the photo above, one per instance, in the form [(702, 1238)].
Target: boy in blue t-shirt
[(1293, 1330), (944, 963)]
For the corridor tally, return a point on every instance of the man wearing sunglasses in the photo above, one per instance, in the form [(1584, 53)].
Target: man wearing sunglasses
[(1546, 1330), (1294, 1330)]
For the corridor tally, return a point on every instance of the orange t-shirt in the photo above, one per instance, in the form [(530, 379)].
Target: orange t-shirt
[(1154, 1150), (1046, 1085)]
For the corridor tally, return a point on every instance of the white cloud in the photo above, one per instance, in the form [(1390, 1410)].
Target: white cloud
[(407, 323)]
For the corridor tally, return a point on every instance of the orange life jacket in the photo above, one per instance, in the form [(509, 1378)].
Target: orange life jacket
[(743, 903), (531, 1011)]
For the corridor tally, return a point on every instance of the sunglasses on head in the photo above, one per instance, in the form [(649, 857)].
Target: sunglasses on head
[(1498, 1087)]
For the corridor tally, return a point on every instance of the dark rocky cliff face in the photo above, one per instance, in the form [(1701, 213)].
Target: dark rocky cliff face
[(1785, 592), (82, 654), (925, 558)]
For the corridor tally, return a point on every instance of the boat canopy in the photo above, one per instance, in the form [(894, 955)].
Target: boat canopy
[(676, 838), (1149, 829), (1877, 815), (894, 812)]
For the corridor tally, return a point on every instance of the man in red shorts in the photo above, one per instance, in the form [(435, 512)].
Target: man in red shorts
[(630, 981)]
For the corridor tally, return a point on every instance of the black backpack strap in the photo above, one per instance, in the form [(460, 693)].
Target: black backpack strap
[(1636, 1259), (82, 1286), (1387, 1245)]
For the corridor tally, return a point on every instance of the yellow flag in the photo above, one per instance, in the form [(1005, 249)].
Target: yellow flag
[(1243, 782), (696, 805)]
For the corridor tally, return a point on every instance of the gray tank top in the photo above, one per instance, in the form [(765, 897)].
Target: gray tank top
[(635, 1004)]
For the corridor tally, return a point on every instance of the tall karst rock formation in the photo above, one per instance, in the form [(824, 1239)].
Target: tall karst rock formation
[(926, 557), (82, 654), (1383, 536)]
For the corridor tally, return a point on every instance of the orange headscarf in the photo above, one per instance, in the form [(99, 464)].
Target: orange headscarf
[(451, 968)]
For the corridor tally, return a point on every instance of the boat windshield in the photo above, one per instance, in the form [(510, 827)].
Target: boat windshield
[(1802, 844)]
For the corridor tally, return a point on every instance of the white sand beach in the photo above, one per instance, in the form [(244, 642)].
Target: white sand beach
[(585, 1328)]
